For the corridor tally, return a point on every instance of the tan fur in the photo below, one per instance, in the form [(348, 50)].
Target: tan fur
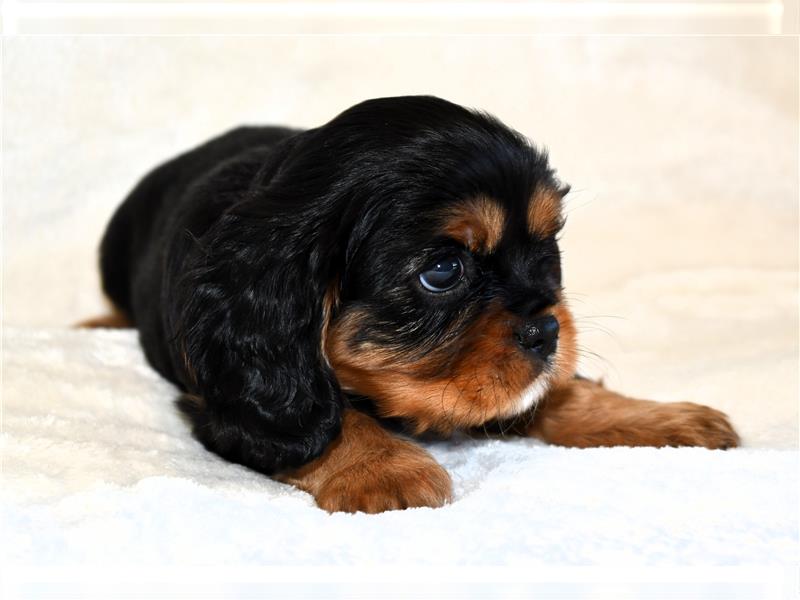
[(544, 212), (482, 382), (187, 366), (329, 304), (114, 320), (584, 414), (478, 224), (566, 359), (367, 469), (193, 399)]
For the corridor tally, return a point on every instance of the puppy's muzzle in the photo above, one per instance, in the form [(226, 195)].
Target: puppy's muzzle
[(539, 336)]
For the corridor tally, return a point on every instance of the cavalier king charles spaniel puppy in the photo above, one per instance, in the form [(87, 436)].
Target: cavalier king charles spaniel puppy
[(308, 290)]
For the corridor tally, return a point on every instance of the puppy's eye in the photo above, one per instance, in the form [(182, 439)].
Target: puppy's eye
[(442, 275)]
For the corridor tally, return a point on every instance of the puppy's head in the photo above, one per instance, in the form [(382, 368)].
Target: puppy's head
[(446, 306), (406, 251)]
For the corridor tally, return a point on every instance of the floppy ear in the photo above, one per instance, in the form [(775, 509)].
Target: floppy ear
[(244, 321)]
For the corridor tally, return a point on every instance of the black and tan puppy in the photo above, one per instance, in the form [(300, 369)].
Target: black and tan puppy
[(402, 257)]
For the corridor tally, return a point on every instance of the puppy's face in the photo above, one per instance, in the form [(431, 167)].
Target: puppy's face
[(449, 312)]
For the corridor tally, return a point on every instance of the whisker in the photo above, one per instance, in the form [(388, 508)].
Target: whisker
[(599, 329)]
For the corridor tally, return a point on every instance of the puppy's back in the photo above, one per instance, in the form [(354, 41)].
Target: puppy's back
[(147, 208)]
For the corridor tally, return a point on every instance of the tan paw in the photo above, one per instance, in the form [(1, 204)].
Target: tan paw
[(398, 477), (584, 414), (689, 424)]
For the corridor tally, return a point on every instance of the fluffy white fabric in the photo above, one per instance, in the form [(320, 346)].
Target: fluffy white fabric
[(100, 469), (680, 261)]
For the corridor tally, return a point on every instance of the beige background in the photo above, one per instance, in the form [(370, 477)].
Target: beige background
[(681, 249), (408, 16)]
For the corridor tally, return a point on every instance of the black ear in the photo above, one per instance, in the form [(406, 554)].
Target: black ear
[(245, 316)]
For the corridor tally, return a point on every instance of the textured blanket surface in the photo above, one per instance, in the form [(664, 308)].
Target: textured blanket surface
[(100, 468), (680, 263)]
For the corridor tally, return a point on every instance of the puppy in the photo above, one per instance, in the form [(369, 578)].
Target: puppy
[(400, 262)]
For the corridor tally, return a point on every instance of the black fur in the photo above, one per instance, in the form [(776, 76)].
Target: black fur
[(222, 257)]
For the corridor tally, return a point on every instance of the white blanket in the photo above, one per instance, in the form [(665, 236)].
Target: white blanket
[(100, 468)]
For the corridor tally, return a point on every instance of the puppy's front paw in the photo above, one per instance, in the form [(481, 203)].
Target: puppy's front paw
[(689, 424), (584, 414), (402, 476)]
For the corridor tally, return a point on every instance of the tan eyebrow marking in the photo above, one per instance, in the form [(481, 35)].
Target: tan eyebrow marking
[(544, 211), (477, 223)]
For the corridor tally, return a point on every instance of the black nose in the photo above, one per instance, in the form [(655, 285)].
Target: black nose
[(539, 336)]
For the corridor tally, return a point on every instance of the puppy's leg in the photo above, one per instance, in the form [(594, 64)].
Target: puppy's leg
[(370, 470), (584, 414), (116, 319)]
